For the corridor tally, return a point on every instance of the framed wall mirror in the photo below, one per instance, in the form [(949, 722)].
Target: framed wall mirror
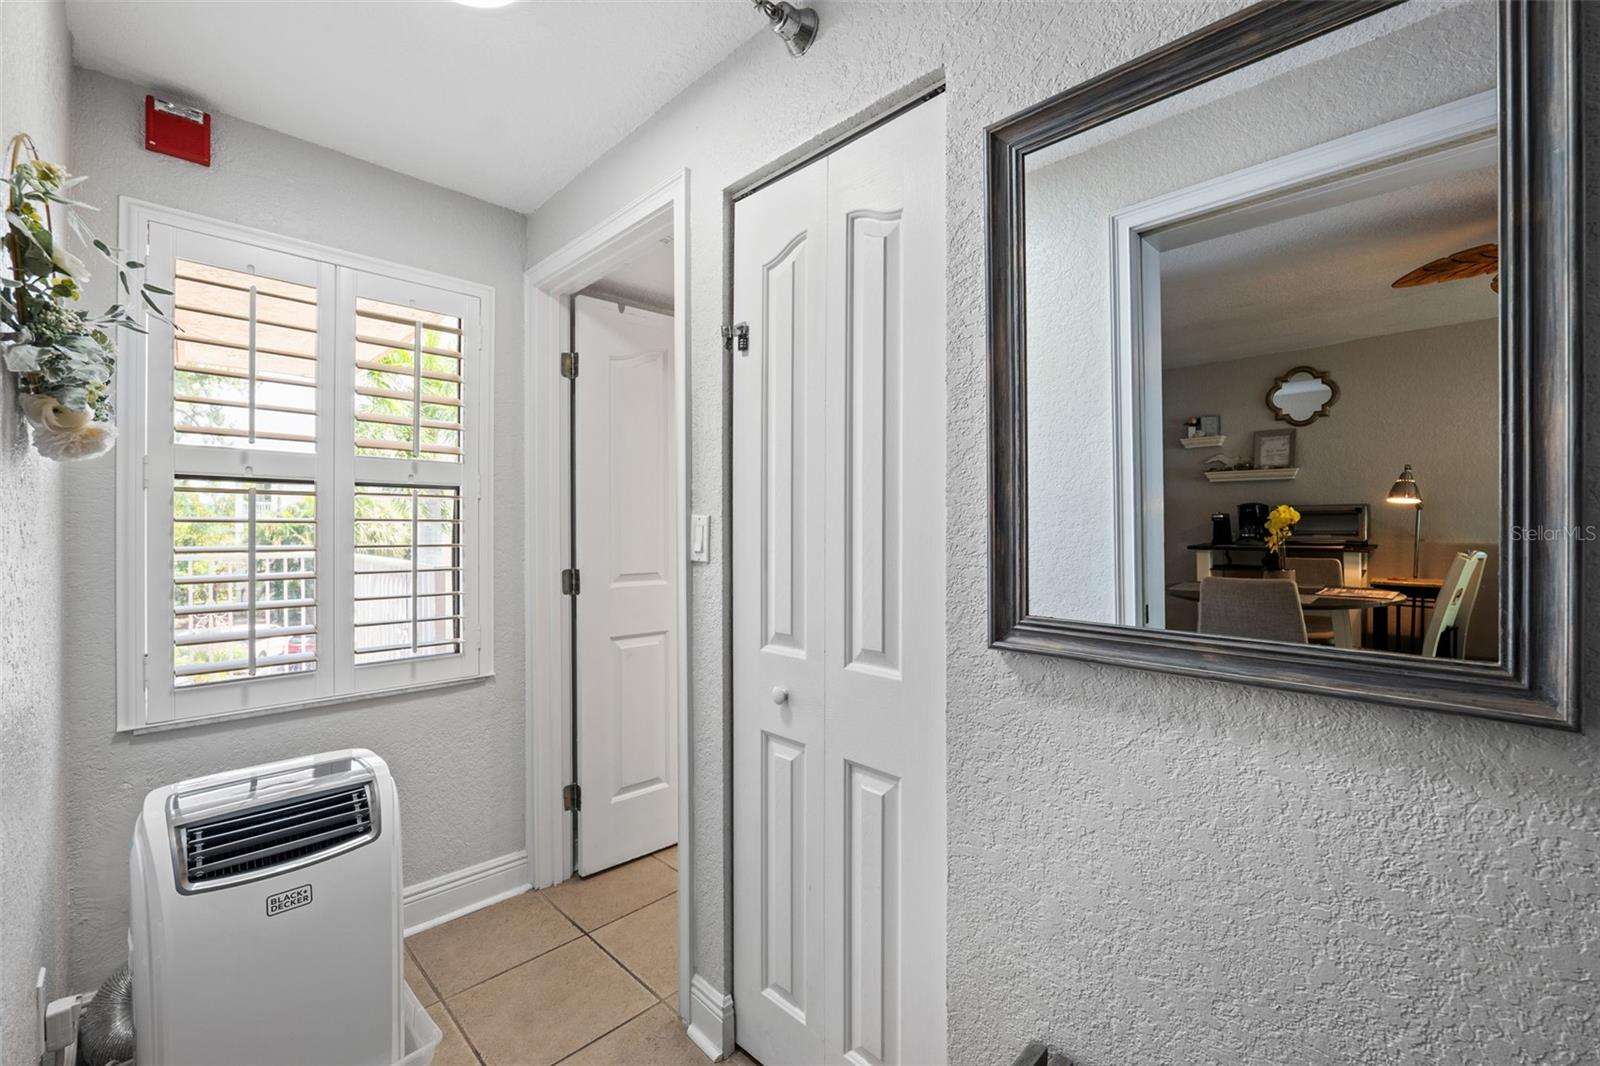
[(1352, 189), (1302, 395)]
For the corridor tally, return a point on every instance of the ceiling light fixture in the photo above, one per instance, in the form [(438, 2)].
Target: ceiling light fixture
[(796, 25), (485, 4)]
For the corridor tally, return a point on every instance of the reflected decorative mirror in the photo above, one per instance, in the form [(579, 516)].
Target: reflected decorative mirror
[(1344, 189), (1301, 396)]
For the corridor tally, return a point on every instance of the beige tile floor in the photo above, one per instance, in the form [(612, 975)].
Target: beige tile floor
[(582, 973)]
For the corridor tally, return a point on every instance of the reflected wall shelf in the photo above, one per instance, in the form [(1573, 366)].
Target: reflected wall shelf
[(1288, 473), (1203, 442)]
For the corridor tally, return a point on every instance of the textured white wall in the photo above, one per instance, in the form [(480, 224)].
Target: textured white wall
[(1142, 868), (35, 86), (457, 754)]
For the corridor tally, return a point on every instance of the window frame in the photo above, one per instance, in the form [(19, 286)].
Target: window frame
[(148, 461)]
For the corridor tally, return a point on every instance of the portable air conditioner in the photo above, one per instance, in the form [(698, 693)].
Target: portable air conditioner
[(266, 922)]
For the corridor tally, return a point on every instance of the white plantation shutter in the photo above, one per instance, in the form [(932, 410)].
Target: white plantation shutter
[(245, 359), (408, 382), (236, 469), (244, 579), (312, 439), (407, 572), (413, 512)]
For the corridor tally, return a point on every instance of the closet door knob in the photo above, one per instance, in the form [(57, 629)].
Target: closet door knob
[(780, 695)]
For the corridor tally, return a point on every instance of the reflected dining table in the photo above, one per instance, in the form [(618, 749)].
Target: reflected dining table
[(1339, 605)]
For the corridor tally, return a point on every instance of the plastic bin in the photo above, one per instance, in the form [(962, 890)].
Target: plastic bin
[(421, 1035)]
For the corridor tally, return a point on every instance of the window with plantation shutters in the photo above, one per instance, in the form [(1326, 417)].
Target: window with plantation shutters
[(299, 490), (245, 359), (244, 579), (408, 382), (407, 572)]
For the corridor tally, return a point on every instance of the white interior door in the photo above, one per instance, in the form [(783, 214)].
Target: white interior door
[(780, 271), (625, 549), (839, 861)]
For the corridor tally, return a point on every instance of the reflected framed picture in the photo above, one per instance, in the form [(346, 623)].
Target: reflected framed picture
[(1210, 425), (1274, 449)]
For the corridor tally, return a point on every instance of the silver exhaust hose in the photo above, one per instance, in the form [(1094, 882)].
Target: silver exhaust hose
[(105, 1031)]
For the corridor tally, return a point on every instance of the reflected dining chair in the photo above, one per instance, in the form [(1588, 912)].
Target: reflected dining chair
[(1254, 608), (1457, 597), (1313, 573)]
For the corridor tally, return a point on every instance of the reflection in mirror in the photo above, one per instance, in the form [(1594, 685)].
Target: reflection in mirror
[(1278, 217), (1302, 396)]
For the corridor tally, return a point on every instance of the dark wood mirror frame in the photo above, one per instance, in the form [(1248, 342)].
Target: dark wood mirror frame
[(1537, 679), (1289, 375)]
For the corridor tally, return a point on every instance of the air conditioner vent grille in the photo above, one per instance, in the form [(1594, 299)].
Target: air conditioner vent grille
[(252, 843)]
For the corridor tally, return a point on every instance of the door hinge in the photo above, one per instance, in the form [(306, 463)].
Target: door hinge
[(572, 797), (739, 332), (569, 365), (569, 582)]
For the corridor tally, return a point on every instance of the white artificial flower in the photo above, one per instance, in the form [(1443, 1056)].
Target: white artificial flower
[(86, 442), (69, 264), (48, 413)]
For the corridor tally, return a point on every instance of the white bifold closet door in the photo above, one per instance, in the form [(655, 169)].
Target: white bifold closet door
[(838, 614), (626, 551)]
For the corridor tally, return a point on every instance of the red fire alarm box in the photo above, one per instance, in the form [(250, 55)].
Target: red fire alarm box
[(177, 130)]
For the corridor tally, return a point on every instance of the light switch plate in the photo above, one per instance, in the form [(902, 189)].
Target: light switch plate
[(699, 538)]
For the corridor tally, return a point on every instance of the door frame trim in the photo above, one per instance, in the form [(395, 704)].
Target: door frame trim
[(662, 209)]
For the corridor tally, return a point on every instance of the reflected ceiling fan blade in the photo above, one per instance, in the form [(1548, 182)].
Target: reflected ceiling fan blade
[(1467, 263)]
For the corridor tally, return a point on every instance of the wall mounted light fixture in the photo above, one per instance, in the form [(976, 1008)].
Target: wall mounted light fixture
[(796, 25)]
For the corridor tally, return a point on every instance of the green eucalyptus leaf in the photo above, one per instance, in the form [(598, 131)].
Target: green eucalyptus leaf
[(21, 225)]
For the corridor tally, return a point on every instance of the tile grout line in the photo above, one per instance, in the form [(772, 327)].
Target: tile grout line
[(618, 918), (508, 969), (583, 934), (427, 980), (462, 1029), (608, 1032), (444, 1006), (606, 951)]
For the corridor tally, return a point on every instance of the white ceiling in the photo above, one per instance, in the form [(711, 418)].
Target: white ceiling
[(507, 105), (1325, 278)]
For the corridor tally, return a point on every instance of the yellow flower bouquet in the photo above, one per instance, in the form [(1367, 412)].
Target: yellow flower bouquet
[(1280, 527)]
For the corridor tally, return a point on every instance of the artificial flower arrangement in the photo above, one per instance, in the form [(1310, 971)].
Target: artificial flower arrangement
[(64, 358), (1280, 527)]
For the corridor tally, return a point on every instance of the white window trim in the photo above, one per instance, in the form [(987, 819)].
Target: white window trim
[(134, 666)]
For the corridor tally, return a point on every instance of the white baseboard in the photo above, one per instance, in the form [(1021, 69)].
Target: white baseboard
[(710, 1018), (433, 902)]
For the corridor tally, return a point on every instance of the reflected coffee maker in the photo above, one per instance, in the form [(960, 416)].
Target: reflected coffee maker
[(1253, 521)]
